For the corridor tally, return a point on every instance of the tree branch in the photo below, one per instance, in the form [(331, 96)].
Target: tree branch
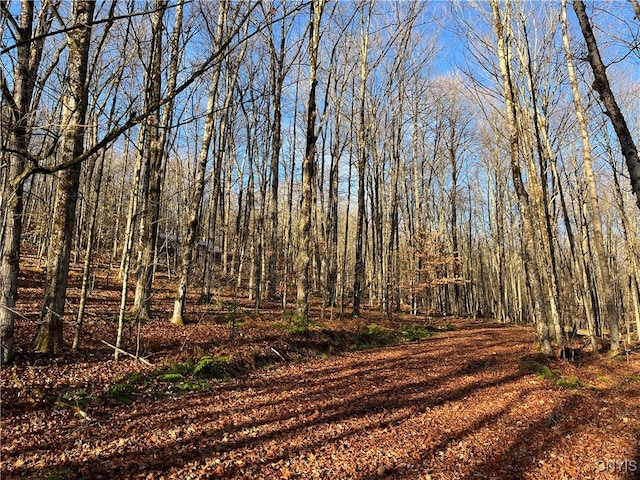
[(113, 135)]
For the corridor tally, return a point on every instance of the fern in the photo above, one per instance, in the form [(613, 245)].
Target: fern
[(171, 377)]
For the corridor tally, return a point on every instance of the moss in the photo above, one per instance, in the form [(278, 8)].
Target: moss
[(569, 382), (541, 370), (545, 373)]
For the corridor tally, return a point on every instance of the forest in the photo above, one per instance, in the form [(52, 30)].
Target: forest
[(320, 239)]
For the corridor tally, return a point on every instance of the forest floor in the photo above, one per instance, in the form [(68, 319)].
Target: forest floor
[(240, 394)]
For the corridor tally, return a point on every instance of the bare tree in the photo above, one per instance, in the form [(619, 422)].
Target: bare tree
[(195, 203), (309, 168), (49, 336), (278, 70), (152, 175), (16, 120), (594, 203), (602, 86), (524, 201), (359, 269)]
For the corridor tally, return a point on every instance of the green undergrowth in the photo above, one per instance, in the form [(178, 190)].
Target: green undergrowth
[(545, 373), (377, 336), (293, 323), (190, 375), (77, 396), (303, 341), (62, 474)]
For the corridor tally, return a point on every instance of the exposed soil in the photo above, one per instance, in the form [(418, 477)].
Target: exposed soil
[(460, 404)]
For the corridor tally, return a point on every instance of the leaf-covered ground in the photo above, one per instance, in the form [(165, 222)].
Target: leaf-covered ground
[(463, 403)]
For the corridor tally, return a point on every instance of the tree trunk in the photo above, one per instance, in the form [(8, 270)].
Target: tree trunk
[(49, 335), (189, 246), (603, 89), (542, 193), (309, 168), (91, 236), (524, 202), (359, 270), (15, 140), (601, 85), (277, 82), (152, 179)]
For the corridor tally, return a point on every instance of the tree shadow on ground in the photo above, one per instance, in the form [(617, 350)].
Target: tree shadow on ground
[(398, 412)]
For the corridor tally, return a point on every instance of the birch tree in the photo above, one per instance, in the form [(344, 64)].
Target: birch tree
[(524, 201), (594, 202)]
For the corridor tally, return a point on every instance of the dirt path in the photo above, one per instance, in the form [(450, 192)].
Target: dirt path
[(454, 406)]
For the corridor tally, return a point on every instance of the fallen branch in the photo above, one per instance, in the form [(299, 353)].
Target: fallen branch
[(119, 350), (277, 353), (75, 408)]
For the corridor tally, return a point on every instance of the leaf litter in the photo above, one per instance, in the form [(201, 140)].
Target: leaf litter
[(455, 405)]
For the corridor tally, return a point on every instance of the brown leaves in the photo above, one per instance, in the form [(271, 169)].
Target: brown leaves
[(456, 405)]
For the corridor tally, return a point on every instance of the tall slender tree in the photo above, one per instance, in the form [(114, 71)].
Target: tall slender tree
[(74, 107), (16, 124), (602, 86), (309, 169), (524, 201), (359, 268), (152, 175), (605, 283)]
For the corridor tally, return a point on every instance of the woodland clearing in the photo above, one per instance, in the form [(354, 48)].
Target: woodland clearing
[(446, 398)]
